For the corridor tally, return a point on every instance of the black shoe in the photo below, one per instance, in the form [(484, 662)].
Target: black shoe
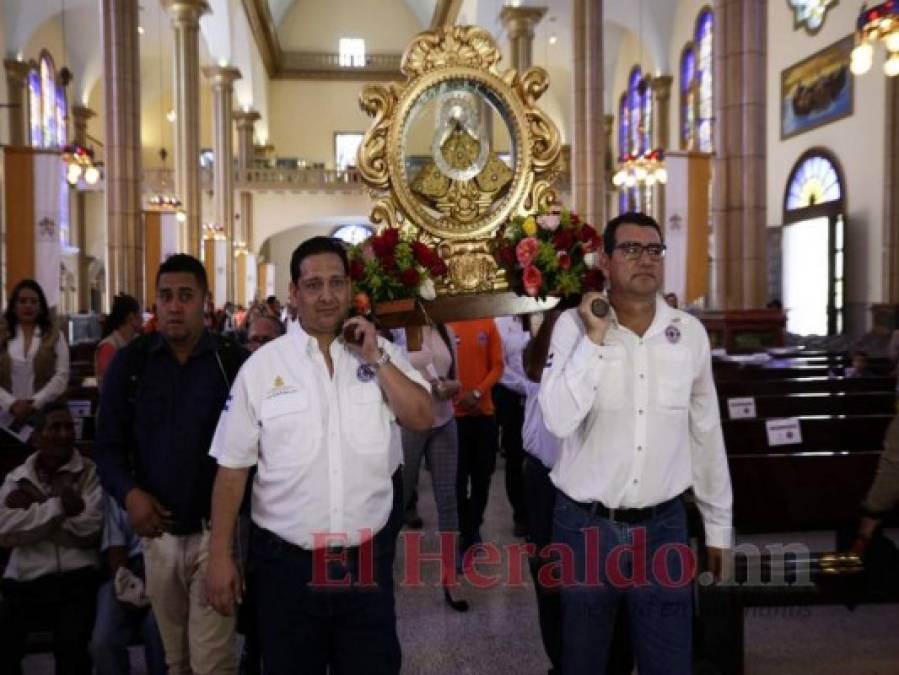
[(413, 521), (520, 530)]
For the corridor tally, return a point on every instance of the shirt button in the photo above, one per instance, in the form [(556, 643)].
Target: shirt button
[(639, 448), (642, 376), (640, 411), (635, 481)]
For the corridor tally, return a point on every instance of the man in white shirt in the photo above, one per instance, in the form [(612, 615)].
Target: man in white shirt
[(51, 514), (315, 411), (633, 398)]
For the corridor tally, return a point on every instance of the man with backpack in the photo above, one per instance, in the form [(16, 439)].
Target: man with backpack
[(159, 406)]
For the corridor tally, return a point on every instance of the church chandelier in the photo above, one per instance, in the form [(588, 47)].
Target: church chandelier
[(636, 169), (877, 23)]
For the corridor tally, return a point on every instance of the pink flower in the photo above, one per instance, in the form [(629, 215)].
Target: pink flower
[(549, 221), (526, 251), (532, 280)]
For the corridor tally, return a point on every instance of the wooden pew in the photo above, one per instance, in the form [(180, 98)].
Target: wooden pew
[(820, 403), (738, 387), (823, 433)]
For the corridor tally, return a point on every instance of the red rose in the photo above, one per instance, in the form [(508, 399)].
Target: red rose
[(357, 270), (391, 235), (410, 278), (585, 233), (388, 262), (563, 239), (592, 280), (422, 254), (438, 269), (574, 218), (564, 260), (506, 255), (532, 280)]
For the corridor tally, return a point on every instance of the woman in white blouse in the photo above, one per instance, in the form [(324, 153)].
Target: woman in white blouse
[(34, 356)]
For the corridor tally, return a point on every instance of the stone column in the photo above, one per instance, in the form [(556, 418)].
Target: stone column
[(185, 16), (589, 143), (519, 23), (121, 78), (222, 79), (737, 264), (610, 192), (80, 116), (891, 197), (661, 100), (17, 99), (246, 151)]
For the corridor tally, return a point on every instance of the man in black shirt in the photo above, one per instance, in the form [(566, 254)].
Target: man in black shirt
[(159, 407)]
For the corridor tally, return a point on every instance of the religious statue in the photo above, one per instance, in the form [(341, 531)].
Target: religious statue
[(465, 177)]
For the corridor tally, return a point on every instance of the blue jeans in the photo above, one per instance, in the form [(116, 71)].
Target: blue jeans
[(647, 566), (116, 625)]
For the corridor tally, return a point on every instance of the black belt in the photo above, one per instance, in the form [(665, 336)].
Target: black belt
[(627, 516), (185, 528)]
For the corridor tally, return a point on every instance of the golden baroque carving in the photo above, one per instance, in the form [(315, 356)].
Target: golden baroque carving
[(468, 46), (445, 177)]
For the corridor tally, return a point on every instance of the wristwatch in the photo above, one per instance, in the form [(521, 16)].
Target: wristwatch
[(366, 371), (477, 394)]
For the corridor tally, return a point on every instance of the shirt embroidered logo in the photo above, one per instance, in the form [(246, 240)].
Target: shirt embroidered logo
[(278, 382), (673, 334)]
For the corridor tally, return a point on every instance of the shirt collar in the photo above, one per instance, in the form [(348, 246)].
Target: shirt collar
[(664, 315), (204, 344), (28, 468)]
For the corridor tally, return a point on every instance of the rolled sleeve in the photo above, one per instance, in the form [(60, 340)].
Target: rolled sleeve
[(235, 444), (711, 477)]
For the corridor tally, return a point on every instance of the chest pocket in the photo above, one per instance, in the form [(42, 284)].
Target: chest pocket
[(368, 422), (674, 377), (290, 434), (612, 390)]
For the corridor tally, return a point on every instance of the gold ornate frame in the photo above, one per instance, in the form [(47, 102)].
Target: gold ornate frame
[(467, 54)]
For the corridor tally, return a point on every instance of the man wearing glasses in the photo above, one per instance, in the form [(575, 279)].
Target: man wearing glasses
[(632, 396), (314, 409)]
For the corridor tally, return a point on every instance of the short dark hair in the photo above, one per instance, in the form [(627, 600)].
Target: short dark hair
[(43, 316), (317, 246), (181, 262), (629, 218), (266, 317), (40, 418), (122, 306), (271, 300)]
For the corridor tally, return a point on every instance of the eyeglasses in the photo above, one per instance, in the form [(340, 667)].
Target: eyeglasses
[(633, 250)]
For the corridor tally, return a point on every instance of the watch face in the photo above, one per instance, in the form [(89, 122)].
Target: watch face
[(365, 373)]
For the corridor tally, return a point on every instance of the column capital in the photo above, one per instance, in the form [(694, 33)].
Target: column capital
[(80, 112), (520, 21), (246, 118), (16, 70), (661, 86), (186, 11), (221, 76)]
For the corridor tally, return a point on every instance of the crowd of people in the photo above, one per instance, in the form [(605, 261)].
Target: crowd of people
[(252, 470)]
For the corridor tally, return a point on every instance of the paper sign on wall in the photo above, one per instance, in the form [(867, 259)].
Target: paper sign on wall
[(741, 408), (784, 431), (80, 408)]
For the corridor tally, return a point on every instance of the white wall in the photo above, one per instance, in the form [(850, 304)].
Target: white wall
[(857, 142)]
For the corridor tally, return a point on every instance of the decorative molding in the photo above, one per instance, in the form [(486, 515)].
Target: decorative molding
[(282, 64), (265, 34), (810, 14)]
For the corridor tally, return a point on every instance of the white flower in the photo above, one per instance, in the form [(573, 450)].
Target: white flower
[(549, 221), (591, 260), (427, 291)]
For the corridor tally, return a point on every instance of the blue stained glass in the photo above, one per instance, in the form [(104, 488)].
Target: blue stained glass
[(703, 70), (34, 109), (635, 111), (623, 127), (815, 181)]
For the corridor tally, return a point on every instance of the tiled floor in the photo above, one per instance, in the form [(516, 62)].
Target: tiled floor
[(499, 634)]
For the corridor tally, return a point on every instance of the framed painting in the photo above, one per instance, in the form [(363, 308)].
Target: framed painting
[(817, 90)]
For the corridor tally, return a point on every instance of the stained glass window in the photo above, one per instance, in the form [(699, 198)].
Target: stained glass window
[(815, 181), (646, 116), (635, 111), (705, 115), (623, 127), (48, 102), (62, 116), (688, 97), (34, 109)]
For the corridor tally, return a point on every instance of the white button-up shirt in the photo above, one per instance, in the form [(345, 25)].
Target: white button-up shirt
[(22, 371), (638, 417), (514, 338), (325, 446)]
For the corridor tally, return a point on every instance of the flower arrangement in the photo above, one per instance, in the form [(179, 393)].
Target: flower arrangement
[(391, 266), (552, 253)]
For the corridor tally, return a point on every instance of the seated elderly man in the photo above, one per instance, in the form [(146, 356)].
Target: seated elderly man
[(51, 515)]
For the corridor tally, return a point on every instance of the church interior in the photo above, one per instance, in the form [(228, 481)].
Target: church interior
[(757, 133)]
